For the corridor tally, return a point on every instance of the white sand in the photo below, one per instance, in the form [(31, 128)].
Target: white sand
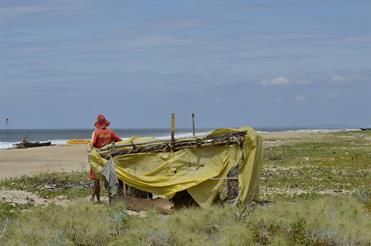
[(18, 162)]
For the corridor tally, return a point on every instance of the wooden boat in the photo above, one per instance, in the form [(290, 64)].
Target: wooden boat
[(26, 144)]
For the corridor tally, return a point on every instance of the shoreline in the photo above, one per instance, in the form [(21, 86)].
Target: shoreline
[(59, 142)]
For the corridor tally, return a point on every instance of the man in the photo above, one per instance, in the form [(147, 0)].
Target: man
[(101, 137)]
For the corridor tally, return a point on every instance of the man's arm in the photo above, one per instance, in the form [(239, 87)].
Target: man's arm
[(93, 140), (115, 137)]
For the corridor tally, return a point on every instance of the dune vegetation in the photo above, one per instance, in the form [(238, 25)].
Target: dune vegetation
[(315, 190)]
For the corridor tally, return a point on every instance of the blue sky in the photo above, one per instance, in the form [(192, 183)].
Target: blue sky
[(260, 63)]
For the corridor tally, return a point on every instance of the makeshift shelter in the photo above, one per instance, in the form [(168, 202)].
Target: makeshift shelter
[(197, 165)]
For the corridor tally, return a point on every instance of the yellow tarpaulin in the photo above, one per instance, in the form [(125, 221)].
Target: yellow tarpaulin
[(165, 174)]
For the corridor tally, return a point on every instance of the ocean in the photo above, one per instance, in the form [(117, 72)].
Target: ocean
[(60, 136)]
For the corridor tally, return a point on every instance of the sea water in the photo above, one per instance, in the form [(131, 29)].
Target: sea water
[(60, 136)]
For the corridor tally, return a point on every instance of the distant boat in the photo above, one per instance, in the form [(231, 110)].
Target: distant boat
[(366, 129), (25, 144)]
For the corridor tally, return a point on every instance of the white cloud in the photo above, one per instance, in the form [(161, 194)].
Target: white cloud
[(351, 78), (278, 81), (299, 98), (283, 81), (337, 78)]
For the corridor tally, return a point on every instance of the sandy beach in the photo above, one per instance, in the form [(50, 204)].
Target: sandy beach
[(18, 162), (66, 158)]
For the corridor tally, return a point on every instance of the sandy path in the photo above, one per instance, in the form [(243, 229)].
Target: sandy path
[(18, 162)]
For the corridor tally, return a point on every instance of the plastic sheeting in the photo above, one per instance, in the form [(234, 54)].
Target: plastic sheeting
[(165, 174)]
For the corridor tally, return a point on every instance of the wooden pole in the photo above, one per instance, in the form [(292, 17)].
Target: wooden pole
[(193, 125), (172, 129), (7, 131)]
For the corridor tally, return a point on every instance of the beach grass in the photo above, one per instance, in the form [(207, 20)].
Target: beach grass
[(324, 164), (50, 185), (322, 221), (318, 187)]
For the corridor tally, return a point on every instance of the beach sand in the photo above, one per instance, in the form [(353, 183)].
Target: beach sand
[(66, 158), (62, 158)]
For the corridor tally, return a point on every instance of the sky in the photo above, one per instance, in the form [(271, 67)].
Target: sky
[(303, 63)]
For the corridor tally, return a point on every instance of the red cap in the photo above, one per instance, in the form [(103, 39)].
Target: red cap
[(101, 122)]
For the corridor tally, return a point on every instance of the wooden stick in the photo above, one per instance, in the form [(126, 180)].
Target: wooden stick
[(226, 178), (108, 147), (236, 138), (236, 202), (112, 148), (172, 130), (193, 125), (7, 130)]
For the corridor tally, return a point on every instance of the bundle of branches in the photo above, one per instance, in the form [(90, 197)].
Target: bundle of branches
[(171, 146)]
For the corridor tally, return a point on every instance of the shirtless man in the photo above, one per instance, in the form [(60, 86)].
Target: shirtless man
[(101, 137)]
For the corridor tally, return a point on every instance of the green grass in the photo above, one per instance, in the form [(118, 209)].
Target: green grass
[(326, 221), (337, 162), (319, 187), (49, 185), (9, 211), (8, 214)]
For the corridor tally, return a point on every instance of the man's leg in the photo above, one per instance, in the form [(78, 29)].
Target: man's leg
[(97, 189), (94, 190)]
